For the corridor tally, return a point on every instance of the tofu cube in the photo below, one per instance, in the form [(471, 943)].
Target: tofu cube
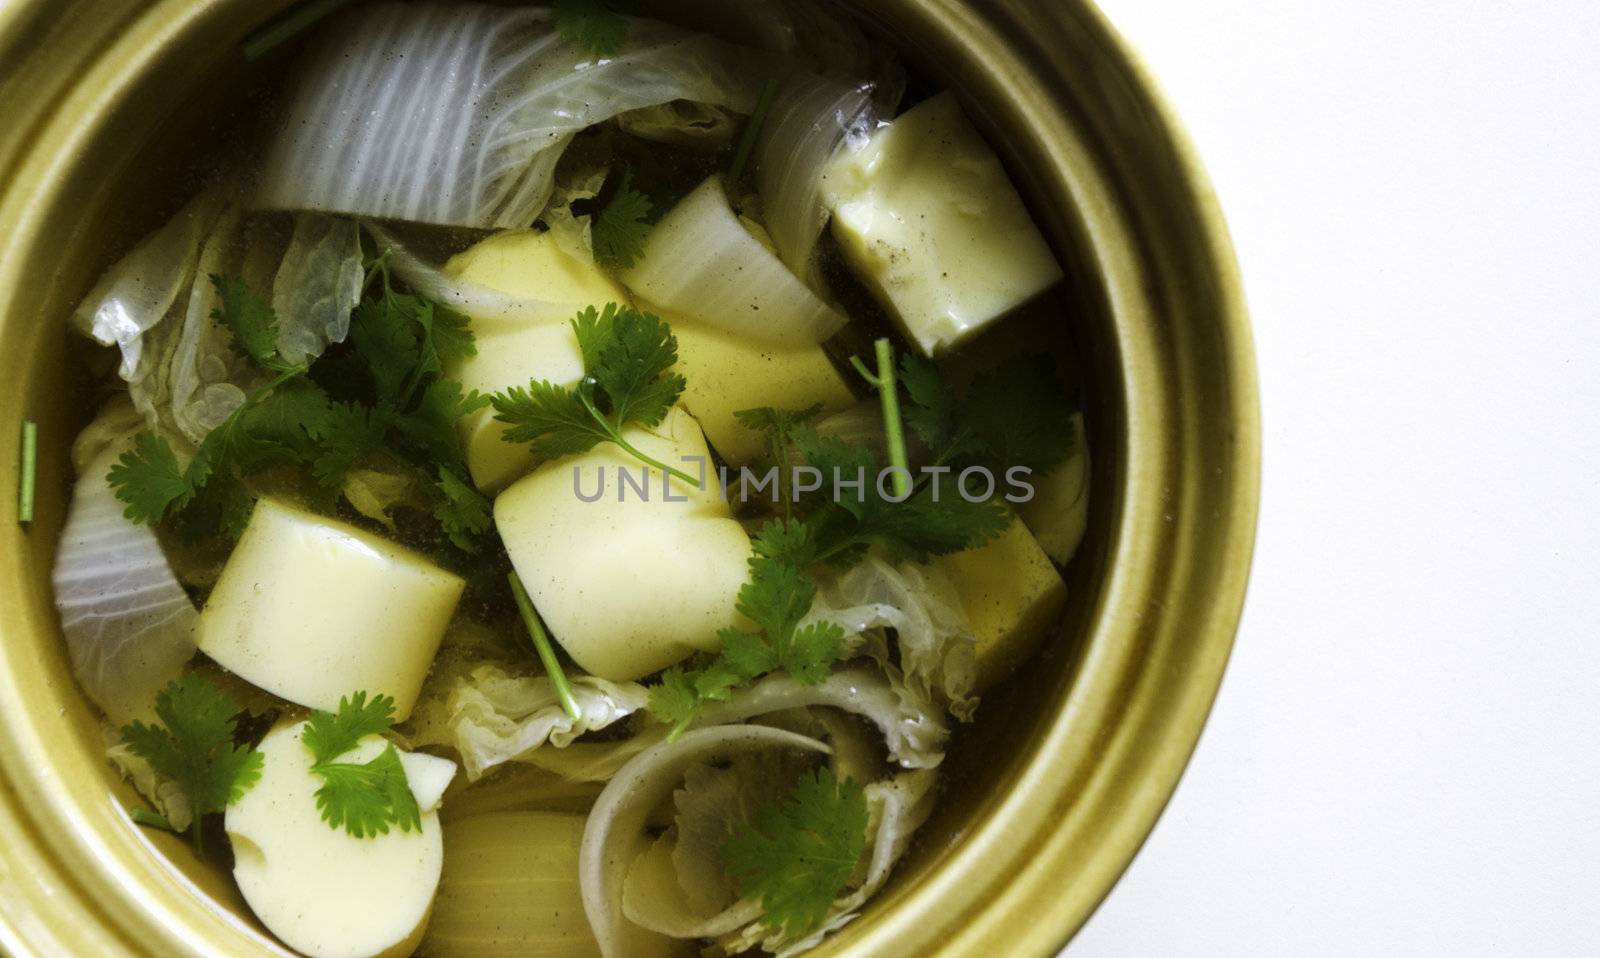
[(726, 373), (928, 219), (627, 586), (533, 267), (1013, 598), (312, 609), (324, 892)]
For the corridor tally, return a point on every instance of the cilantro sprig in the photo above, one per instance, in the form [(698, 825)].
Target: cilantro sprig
[(1017, 414), (627, 360), (381, 397), (194, 746), (796, 857), (775, 600), (364, 799), (621, 226)]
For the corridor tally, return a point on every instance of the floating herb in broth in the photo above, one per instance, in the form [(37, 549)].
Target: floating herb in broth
[(646, 416)]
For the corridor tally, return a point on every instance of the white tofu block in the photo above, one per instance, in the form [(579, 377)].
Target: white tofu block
[(1013, 597), (312, 609), (726, 373), (325, 893), (531, 266), (928, 219), (627, 587)]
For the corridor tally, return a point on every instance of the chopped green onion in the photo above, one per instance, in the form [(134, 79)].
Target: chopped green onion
[(752, 130), (893, 428), (547, 653), (287, 26), (28, 487)]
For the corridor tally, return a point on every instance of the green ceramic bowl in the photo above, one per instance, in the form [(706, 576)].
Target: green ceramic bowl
[(101, 105)]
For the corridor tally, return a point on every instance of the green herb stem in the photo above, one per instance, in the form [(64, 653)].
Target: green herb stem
[(547, 652), (616, 436), (28, 484), (284, 28), (144, 816), (752, 131), (893, 426)]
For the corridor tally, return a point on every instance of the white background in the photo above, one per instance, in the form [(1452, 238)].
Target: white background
[(1405, 758)]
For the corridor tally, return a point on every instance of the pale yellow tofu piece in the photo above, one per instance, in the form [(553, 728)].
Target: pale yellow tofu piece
[(627, 587), (928, 219), (1013, 597), (532, 266), (726, 373), (312, 609), (322, 891)]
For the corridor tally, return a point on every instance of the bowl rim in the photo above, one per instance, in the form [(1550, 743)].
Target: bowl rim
[(70, 861)]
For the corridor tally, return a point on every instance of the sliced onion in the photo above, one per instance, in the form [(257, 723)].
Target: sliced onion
[(456, 113), (811, 118), (701, 262), (913, 733), (128, 623), (484, 304), (618, 818)]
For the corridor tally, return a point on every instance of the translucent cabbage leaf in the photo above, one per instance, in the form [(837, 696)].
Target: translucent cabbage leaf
[(679, 886), (934, 650), (684, 123), (914, 734), (491, 716), (166, 796), (611, 837), (896, 808), (129, 624), (812, 118), (156, 304), (456, 114), (700, 261), (317, 284), (575, 234)]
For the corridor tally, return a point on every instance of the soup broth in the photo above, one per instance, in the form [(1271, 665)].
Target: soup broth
[(562, 478)]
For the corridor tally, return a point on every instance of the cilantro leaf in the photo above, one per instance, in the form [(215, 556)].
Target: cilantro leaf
[(674, 700), (931, 414), (797, 856), (627, 358), (595, 25), (634, 366), (385, 335), (252, 322), (330, 734), (362, 799), (348, 434), (554, 420), (463, 512), (222, 506), (1020, 414), (194, 746), (148, 480), (1017, 414), (620, 227), (366, 799), (776, 599)]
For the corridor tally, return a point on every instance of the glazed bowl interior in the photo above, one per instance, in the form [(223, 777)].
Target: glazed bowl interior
[(112, 119)]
